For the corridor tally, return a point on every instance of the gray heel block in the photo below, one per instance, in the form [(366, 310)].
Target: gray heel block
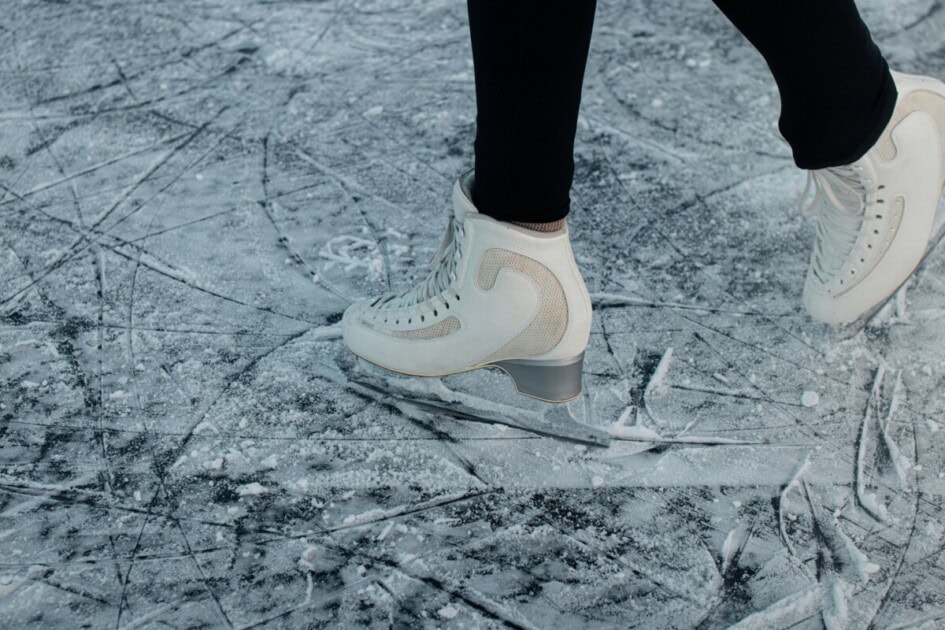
[(553, 381)]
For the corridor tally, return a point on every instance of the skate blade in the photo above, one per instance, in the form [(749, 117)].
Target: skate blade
[(550, 381), (430, 394)]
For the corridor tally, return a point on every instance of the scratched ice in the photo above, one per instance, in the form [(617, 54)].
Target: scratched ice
[(192, 192)]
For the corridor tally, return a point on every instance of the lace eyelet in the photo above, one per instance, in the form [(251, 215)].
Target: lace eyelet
[(435, 314), (446, 304), (457, 298), (422, 318)]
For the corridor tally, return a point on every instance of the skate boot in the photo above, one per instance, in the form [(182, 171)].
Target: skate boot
[(875, 216), (498, 296)]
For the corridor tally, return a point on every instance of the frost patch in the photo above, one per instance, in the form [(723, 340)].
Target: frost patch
[(352, 253), (810, 399), (448, 612), (254, 489)]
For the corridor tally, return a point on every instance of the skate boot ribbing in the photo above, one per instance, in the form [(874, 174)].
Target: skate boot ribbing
[(497, 296), (875, 217)]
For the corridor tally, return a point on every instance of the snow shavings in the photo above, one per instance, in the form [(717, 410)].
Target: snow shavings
[(254, 489), (448, 612), (810, 399), (658, 385), (783, 499), (879, 436), (867, 499), (635, 433), (785, 612), (735, 543), (836, 612), (901, 463), (353, 253)]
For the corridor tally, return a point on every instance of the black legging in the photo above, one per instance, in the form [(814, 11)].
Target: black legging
[(837, 94)]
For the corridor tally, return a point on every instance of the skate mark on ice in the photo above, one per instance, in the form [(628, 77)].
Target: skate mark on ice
[(268, 207), (432, 395)]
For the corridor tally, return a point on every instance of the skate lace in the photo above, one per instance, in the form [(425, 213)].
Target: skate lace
[(441, 278), (841, 196)]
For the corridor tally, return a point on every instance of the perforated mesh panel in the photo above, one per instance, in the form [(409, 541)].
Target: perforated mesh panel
[(549, 323), (882, 241), (440, 329), (919, 100)]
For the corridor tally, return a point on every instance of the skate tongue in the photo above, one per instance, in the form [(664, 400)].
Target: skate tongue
[(462, 206), (444, 243), (462, 197)]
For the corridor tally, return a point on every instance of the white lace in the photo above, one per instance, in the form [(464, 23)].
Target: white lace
[(435, 291), (841, 198)]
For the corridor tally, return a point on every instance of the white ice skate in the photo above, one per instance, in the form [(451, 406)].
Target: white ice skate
[(498, 296), (875, 217)]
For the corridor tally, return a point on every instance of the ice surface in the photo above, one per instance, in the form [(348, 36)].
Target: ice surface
[(192, 192)]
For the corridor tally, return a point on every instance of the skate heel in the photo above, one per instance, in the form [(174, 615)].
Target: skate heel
[(548, 380)]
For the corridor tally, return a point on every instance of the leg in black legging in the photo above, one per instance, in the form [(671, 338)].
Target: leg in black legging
[(837, 94), (529, 58)]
